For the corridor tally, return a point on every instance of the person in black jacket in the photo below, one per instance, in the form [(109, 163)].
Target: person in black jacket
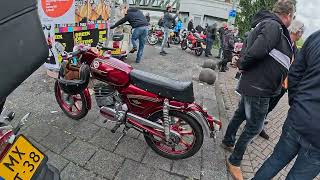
[(301, 130), (221, 32), (190, 25), (211, 36), (228, 46), (139, 24), (264, 66)]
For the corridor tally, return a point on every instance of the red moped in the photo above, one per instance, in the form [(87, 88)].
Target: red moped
[(195, 42), (162, 109)]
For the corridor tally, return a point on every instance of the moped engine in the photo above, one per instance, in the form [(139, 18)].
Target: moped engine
[(105, 95)]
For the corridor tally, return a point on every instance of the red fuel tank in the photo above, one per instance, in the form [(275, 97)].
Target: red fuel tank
[(111, 71)]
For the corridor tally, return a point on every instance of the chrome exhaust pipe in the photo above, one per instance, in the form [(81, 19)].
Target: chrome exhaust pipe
[(111, 113)]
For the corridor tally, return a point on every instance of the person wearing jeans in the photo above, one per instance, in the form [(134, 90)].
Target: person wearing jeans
[(139, 33), (253, 110), (264, 63), (167, 26), (301, 130), (140, 25)]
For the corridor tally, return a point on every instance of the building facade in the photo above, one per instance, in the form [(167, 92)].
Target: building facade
[(205, 11)]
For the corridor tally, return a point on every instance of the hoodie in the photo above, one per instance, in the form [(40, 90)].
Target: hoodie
[(266, 58), (135, 17)]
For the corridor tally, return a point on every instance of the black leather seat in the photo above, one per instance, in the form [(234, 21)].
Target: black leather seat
[(165, 87)]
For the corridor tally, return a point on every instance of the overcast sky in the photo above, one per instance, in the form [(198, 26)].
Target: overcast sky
[(309, 13)]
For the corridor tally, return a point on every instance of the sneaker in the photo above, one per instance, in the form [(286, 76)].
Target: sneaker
[(229, 148), (235, 171), (133, 50), (162, 53), (264, 135)]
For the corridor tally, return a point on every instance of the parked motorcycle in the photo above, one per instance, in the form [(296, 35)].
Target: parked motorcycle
[(19, 158), (194, 42), (155, 36), (161, 108), (117, 51)]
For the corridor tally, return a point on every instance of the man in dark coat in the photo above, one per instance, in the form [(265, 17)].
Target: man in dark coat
[(139, 24), (190, 25), (264, 66), (221, 32), (301, 130), (211, 36), (228, 46)]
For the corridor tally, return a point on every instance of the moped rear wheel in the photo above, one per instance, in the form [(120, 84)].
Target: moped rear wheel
[(189, 130), (74, 106), (152, 39)]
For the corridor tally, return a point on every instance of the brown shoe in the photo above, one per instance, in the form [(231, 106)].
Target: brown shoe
[(235, 171), (133, 50), (227, 147)]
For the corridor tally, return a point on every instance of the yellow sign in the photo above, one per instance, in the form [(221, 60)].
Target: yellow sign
[(21, 161), (117, 51)]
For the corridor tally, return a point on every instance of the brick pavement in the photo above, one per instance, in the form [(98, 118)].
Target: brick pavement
[(86, 149), (258, 151)]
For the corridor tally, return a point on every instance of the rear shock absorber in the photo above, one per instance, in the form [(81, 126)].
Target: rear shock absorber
[(166, 120)]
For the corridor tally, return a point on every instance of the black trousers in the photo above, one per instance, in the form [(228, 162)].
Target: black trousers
[(227, 57)]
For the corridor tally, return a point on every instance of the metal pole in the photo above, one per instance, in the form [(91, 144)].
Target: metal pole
[(234, 5)]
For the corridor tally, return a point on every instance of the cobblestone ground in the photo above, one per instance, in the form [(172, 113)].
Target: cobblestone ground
[(258, 151), (86, 149)]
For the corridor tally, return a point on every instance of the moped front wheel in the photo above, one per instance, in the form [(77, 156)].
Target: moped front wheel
[(190, 136), (74, 106)]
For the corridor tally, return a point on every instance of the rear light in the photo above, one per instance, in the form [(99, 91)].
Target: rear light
[(116, 44)]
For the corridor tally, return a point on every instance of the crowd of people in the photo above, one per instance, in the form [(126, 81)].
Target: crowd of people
[(269, 54), (269, 66)]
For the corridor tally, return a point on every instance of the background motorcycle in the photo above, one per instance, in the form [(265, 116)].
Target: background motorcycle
[(155, 36), (161, 108), (194, 42), (19, 158)]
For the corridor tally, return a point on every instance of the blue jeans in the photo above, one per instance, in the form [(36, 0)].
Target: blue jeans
[(254, 111), (165, 38), (139, 33), (209, 46), (290, 145)]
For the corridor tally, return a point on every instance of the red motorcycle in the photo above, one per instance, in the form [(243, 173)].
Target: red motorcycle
[(155, 35), (195, 42), (19, 158), (161, 108)]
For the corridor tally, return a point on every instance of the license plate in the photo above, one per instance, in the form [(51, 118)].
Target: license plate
[(117, 51), (21, 161)]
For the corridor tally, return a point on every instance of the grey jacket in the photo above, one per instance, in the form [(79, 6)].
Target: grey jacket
[(168, 20)]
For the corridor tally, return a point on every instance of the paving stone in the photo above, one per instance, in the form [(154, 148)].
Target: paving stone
[(57, 140), (85, 130), (74, 172), (79, 152), (105, 139), (65, 123), (212, 162), (161, 175), (105, 163), (190, 167), (56, 160), (38, 131), (38, 145), (154, 160), (131, 148), (134, 170)]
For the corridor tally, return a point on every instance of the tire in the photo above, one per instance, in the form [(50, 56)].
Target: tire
[(196, 129), (150, 39), (176, 40), (198, 51), (63, 105), (184, 45)]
